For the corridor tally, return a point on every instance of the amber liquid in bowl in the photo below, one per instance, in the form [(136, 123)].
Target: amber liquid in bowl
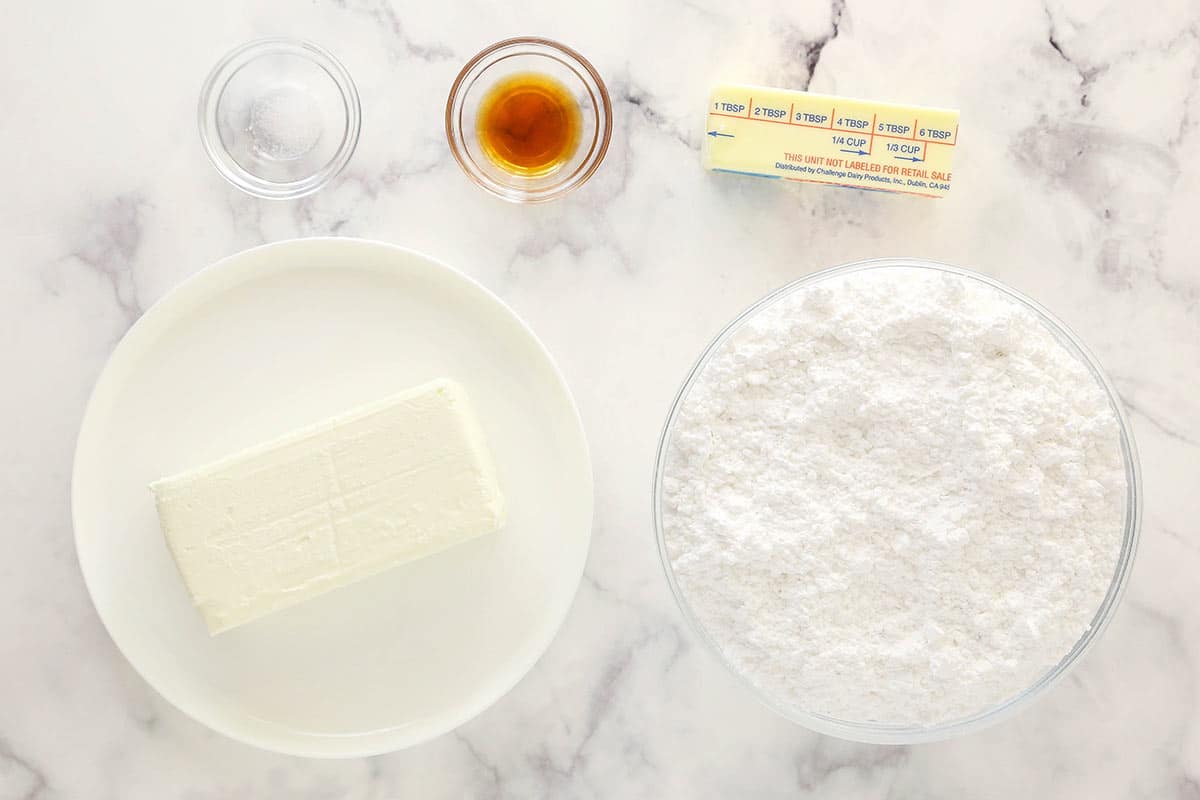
[(529, 124)]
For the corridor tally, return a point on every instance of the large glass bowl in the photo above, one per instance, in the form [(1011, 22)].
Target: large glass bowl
[(908, 734)]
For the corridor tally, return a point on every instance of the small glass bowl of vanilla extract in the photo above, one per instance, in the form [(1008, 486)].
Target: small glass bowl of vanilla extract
[(528, 119)]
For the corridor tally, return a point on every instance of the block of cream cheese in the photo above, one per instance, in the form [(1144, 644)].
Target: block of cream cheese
[(284, 521), (838, 141)]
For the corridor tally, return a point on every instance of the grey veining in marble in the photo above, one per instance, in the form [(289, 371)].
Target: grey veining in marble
[(1077, 181)]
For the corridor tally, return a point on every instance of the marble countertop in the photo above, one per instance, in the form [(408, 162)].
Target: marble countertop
[(1078, 182)]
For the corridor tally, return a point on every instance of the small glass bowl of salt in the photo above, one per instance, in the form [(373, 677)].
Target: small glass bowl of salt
[(279, 118)]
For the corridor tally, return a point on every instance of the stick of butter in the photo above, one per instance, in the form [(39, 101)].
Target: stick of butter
[(284, 521), (819, 138)]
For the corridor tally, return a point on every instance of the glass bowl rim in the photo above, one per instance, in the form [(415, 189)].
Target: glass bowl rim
[(879, 733), (214, 87), (600, 97)]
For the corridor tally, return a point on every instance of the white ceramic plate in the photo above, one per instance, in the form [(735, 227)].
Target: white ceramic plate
[(281, 336)]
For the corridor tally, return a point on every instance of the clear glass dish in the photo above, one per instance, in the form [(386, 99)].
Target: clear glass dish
[(279, 118), (533, 55), (897, 734)]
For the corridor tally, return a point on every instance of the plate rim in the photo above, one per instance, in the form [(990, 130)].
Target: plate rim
[(313, 745)]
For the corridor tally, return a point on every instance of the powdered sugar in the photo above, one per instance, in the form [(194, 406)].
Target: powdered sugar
[(894, 496)]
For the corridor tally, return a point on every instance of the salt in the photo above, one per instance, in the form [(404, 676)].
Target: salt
[(284, 124)]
